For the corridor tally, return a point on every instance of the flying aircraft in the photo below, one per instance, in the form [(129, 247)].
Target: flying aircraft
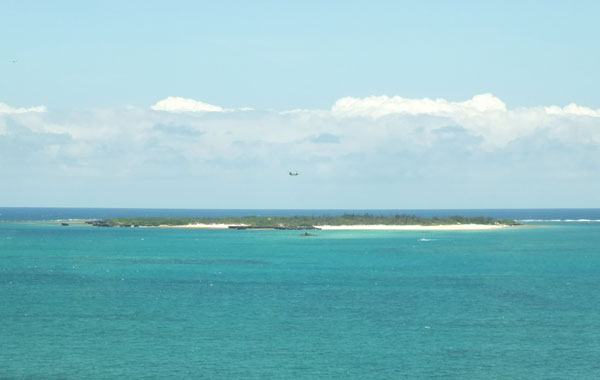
[(294, 174)]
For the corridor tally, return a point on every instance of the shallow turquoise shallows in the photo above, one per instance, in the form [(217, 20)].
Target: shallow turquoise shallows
[(91, 303)]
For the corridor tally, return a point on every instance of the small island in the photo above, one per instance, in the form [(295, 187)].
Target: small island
[(340, 222)]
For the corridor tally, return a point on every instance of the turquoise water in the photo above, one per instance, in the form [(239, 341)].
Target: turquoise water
[(91, 303)]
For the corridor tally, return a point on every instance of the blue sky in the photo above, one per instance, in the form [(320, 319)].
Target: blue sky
[(429, 104)]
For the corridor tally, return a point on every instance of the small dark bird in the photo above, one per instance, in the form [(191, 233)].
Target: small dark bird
[(294, 174)]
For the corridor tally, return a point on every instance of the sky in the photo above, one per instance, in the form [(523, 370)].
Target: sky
[(379, 104)]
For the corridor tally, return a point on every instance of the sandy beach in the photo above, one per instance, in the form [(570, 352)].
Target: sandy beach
[(216, 226), (450, 227), (375, 227)]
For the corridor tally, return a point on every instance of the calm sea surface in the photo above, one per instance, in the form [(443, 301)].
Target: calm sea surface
[(93, 303)]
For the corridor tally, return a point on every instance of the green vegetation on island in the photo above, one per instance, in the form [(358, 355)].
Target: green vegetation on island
[(302, 222)]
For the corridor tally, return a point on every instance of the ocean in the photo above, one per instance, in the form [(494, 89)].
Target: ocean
[(79, 302)]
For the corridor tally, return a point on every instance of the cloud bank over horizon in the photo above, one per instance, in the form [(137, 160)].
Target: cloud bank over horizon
[(372, 152)]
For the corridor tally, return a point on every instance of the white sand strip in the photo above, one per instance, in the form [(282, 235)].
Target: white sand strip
[(215, 226), (372, 227), (449, 227)]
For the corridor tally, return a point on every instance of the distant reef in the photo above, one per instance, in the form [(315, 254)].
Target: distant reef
[(302, 222)]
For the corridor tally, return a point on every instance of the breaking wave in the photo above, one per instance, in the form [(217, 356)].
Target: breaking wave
[(562, 220)]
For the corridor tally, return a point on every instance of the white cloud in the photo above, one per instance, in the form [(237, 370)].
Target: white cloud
[(183, 105), (480, 105), (177, 104), (483, 115), (359, 124), (572, 109), (6, 109), (360, 142), (379, 106)]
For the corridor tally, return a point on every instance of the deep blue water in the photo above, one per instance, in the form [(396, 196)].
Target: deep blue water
[(91, 303)]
